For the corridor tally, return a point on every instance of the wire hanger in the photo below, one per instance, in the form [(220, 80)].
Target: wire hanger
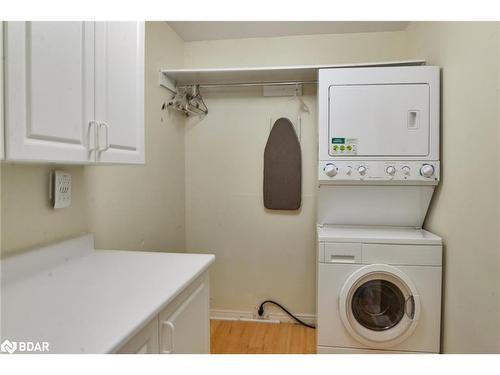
[(189, 101), (303, 106)]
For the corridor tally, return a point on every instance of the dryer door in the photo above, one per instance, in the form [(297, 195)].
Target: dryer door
[(379, 305), (379, 120)]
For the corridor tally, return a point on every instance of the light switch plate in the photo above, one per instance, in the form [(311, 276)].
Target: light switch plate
[(60, 189)]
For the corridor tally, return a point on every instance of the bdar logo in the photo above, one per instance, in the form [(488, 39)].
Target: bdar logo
[(8, 347)]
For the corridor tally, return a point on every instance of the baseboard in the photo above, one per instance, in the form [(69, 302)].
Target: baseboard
[(284, 318), (272, 317)]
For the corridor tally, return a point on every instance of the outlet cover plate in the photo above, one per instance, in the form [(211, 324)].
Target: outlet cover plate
[(60, 189)]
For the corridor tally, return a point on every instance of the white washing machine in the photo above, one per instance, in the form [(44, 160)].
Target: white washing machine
[(379, 273), (379, 290)]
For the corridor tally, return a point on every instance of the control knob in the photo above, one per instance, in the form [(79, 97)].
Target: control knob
[(406, 170), (330, 170), (362, 170), (427, 170), (391, 171)]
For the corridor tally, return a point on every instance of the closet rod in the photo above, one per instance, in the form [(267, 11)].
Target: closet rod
[(250, 84)]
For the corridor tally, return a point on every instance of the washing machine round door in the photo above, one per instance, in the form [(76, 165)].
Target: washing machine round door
[(379, 305)]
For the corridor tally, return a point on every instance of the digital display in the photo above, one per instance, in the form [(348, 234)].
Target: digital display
[(338, 141)]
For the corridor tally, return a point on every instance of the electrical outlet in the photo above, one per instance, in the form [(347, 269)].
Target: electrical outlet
[(60, 189)]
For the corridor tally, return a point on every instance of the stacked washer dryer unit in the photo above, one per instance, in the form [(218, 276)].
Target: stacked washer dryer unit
[(379, 273)]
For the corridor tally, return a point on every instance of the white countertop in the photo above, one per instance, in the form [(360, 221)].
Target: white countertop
[(89, 301), (377, 234)]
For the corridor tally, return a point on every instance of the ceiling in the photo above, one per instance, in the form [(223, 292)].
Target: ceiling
[(213, 30)]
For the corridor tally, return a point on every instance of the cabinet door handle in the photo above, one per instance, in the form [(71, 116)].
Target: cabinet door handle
[(106, 126), (91, 126), (171, 327)]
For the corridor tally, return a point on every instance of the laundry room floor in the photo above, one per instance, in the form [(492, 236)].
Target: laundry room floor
[(237, 337)]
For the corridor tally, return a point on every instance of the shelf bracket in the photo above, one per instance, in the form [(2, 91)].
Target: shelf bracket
[(166, 82)]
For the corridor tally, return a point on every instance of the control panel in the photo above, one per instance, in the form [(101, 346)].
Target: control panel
[(60, 189), (369, 172)]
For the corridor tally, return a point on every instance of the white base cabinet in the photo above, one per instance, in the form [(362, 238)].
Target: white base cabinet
[(144, 342), (183, 327), (185, 324), (74, 92)]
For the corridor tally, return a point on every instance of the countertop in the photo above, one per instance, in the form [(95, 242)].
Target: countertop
[(82, 300)]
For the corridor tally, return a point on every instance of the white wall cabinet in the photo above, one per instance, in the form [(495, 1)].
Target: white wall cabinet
[(74, 92), (1, 92), (183, 327), (119, 91)]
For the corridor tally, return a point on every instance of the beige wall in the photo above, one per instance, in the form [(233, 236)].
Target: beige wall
[(27, 218), (296, 50), (260, 253), (465, 210), (201, 185), (127, 207), (142, 207)]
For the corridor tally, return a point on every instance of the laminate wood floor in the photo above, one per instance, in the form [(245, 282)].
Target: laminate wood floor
[(239, 337)]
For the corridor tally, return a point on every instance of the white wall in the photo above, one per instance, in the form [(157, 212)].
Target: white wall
[(260, 253), (465, 209), (142, 207)]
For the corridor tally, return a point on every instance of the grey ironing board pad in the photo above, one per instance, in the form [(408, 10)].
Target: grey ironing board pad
[(282, 168)]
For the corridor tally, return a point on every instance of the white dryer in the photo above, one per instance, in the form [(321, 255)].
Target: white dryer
[(379, 290), (378, 160)]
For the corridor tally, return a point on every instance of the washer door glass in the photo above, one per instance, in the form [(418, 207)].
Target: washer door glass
[(378, 305)]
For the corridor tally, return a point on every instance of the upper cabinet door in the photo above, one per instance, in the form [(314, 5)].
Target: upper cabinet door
[(49, 91), (119, 59), (1, 92)]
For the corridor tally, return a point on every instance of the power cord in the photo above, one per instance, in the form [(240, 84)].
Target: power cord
[(260, 311)]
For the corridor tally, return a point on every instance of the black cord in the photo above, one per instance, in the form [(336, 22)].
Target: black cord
[(261, 312)]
